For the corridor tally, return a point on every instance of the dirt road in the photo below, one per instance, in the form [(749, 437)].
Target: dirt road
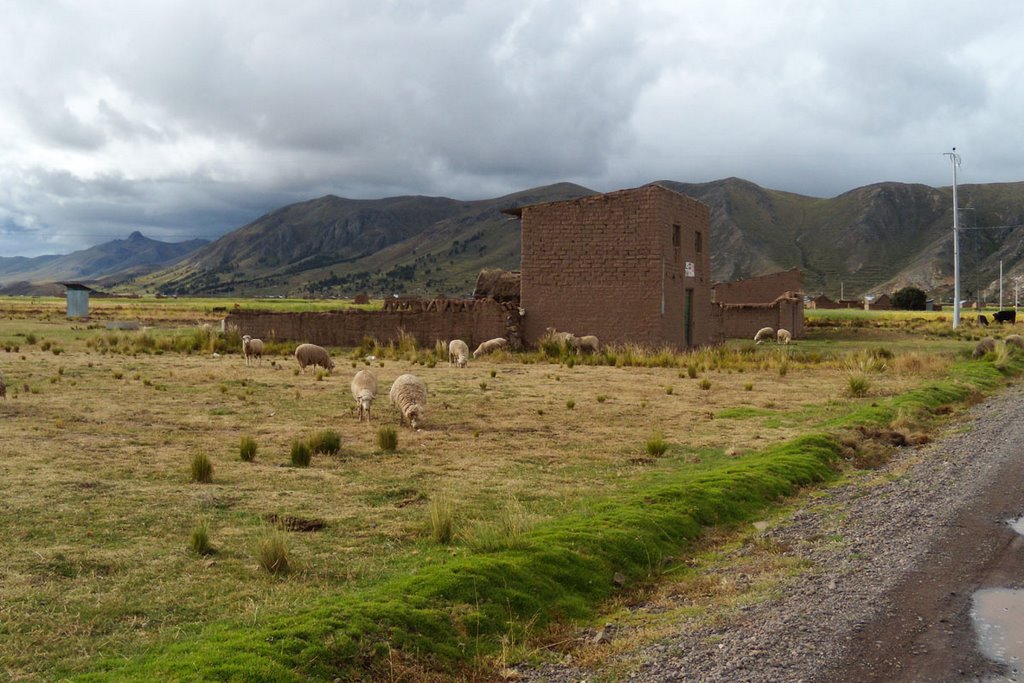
[(891, 599)]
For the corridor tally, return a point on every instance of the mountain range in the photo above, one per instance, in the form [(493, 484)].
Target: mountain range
[(112, 262), (870, 240)]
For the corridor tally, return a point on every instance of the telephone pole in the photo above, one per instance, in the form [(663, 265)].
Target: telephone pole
[(955, 159)]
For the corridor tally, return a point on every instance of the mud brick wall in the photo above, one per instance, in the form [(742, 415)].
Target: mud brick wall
[(759, 290), (613, 265), (742, 321), (473, 322)]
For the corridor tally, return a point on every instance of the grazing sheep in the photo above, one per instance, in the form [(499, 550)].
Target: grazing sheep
[(783, 336), (564, 339), (1015, 340), (982, 320), (252, 349), (586, 344), (364, 390), (986, 345), (409, 395), (458, 353), (763, 333), (311, 354), (490, 345)]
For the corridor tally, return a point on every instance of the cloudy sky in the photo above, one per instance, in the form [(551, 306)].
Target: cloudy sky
[(188, 119)]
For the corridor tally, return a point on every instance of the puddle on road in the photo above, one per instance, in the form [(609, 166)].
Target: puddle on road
[(998, 616)]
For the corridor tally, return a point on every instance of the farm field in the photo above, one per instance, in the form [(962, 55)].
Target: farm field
[(101, 426)]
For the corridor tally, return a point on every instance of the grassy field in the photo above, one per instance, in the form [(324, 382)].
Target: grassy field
[(101, 427)]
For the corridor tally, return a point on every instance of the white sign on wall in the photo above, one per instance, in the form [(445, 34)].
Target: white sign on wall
[(690, 270)]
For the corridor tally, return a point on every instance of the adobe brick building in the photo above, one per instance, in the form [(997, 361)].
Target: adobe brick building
[(632, 265), (762, 289)]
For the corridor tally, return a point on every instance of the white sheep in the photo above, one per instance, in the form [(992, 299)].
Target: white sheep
[(458, 353), (252, 349), (490, 345), (311, 354), (985, 345), (763, 333), (586, 344), (409, 395), (783, 336), (563, 339), (364, 390)]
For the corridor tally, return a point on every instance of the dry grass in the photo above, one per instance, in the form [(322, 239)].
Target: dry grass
[(98, 503)]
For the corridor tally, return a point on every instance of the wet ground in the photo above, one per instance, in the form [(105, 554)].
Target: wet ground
[(961, 618)]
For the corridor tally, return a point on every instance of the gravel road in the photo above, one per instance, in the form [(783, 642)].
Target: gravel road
[(891, 601)]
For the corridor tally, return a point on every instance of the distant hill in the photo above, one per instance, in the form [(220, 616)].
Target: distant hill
[(868, 240), (114, 261)]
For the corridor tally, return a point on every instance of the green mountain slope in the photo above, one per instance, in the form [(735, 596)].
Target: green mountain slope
[(871, 239)]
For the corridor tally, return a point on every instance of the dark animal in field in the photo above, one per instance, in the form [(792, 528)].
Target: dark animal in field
[(1005, 317), (982, 320)]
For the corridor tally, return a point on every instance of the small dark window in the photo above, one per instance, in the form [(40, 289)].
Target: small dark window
[(698, 244), (677, 239)]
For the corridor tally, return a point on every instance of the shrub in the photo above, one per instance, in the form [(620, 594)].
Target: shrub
[(909, 299), (691, 371), (247, 449), (327, 442), (272, 552), (601, 398), (200, 538), (387, 439), (442, 519), (570, 404), (705, 384), (301, 454), (202, 468), (656, 445), (748, 387), (483, 386), (494, 373), (669, 389)]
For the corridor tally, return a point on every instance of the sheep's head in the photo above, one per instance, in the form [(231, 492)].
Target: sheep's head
[(414, 417), (365, 401), (462, 361), (330, 364)]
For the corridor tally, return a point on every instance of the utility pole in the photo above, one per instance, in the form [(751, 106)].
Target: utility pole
[(1000, 284), (955, 159)]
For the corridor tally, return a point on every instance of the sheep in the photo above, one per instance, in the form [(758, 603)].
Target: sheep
[(252, 349), (311, 354), (986, 345), (409, 395), (563, 339), (1015, 340), (490, 345), (458, 353), (763, 333), (586, 344), (364, 390), (783, 336)]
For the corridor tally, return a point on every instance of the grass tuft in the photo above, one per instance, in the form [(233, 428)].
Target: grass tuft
[(387, 439), (301, 454), (656, 446), (247, 449), (200, 538), (272, 552), (327, 442), (442, 519), (202, 468)]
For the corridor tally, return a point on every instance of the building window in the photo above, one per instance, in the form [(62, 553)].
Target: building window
[(698, 244), (677, 239)]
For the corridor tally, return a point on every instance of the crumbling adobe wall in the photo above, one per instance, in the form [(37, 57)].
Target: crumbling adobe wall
[(759, 290), (473, 321), (738, 321)]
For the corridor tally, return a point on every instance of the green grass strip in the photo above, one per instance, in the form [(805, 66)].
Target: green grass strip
[(446, 614)]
